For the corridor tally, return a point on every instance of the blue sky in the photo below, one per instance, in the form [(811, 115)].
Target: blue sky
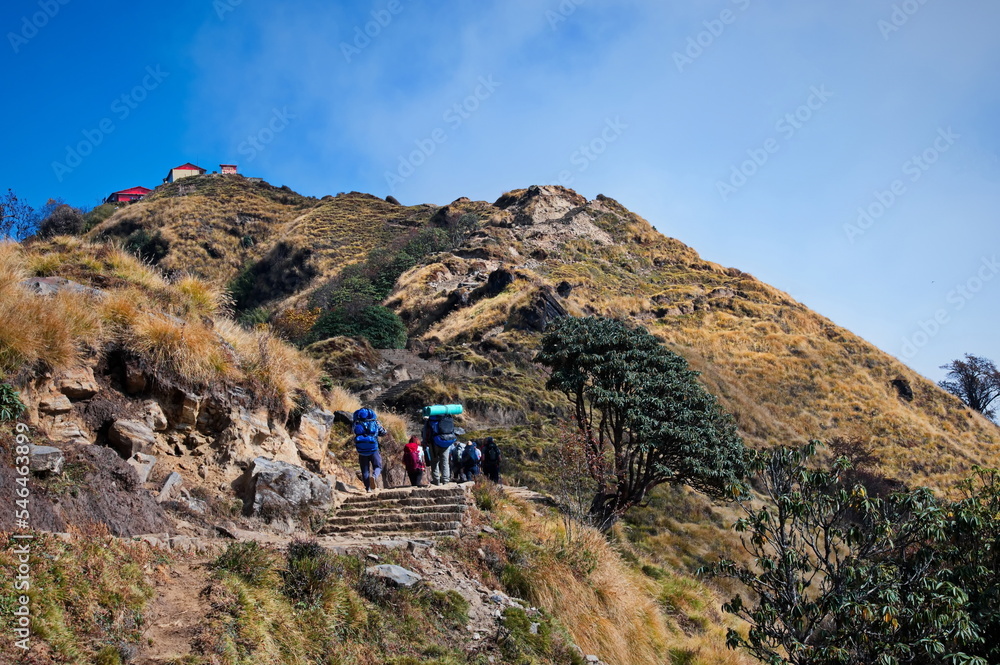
[(845, 152)]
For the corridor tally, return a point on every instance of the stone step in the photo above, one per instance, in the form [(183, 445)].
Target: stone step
[(361, 521), (402, 512), (415, 503), (391, 528), (409, 493)]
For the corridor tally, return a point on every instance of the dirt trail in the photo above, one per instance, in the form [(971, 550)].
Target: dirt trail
[(177, 611)]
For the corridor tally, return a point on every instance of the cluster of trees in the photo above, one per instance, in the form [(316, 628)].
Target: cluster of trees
[(839, 571), (839, 576), (18, 220)]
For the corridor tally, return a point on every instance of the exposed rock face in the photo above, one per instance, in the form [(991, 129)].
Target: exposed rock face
[(103, 488), (55, 404), (312, 436), (903, 389), (275, 488), (544, 308), (67, 430), (45, 459), (129, 437), (77, 383), (49, 286)]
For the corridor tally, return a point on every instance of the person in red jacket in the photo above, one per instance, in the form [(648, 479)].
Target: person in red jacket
[(413, 461)]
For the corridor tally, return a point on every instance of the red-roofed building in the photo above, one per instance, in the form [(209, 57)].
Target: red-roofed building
[(133, 194), (228, 169), (183, 171)]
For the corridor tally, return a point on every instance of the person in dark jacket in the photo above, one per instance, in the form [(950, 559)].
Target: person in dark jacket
[(413, 461), (491, 459), (471, 461), (367, 430)]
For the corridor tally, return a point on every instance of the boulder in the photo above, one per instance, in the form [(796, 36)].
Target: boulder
[(172, 485), (536, 316), (143, 465), (313, 434), (154, 415), (129, 437), (55, 404), (77, 383), (65, 430), (45, 459), (276, 488), (49, 286), (396, 575)]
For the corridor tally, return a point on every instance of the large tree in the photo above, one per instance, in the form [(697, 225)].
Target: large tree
[(975, 381), (645, 418)]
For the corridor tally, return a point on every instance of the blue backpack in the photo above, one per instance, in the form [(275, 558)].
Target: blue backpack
[(472, 455), (366, 427), (442, 431)]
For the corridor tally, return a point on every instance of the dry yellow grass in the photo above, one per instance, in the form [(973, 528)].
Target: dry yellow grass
[(178, 329), (51, 330), (610, 611)]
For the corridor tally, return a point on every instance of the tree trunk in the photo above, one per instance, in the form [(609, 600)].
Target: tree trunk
[(603, 511)]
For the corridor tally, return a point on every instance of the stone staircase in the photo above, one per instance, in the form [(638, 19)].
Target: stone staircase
[(406, 512)]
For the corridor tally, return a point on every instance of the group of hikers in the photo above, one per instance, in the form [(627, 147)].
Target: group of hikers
[(438, 448)]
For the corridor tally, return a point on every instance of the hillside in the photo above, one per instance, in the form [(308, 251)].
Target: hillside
[(192, 405), (786, 373)]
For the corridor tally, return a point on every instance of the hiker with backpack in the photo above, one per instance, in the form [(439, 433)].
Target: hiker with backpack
[(471, 460), (439, 436), (367, 429), (413, 460), (455, 459), (491, 459)]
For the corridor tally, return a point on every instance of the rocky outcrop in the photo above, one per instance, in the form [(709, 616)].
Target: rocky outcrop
[(312, 437), (129, 437), (278, 489), (77, 383), (45, 459), (536, 316), (95, 485)]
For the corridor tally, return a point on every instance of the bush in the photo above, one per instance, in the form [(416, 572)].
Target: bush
[(63, 221), (310, 571), (379, 325), (11, 406), (249, 561), (148, 247), (283, 271), (98, 215)]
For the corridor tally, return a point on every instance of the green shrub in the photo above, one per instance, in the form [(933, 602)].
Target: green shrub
[(310, 571), (249, 561), (98, 215), (11, 406), (281, 272), (379, 325), (251, 317), (148, 247), (63, 220)]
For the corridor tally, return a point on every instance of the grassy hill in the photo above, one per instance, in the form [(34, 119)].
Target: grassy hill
[(474, 283)]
